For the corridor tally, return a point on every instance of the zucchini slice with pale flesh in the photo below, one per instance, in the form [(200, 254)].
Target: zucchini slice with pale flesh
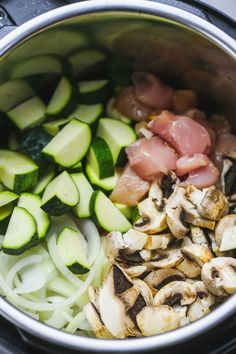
[(13, 93), (106, 215), (78, 167), (117, 134), (5, 215), (70, 145), (7, 197), (82, 61), (41, 64), (60, 195), (17, 171), (64, 99), (54, 127), (44, 180), (85, 191), (88, 113), (73, 250), (125, 210), (32, 203), (100, 158), (112, 112), (21, 232), (28, 114), (106, 184), (92, 92)]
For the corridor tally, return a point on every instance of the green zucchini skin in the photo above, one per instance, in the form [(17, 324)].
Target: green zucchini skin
[(4, 224), (77, 268), (100, 95), (101, 151), (24, 183), (16, 252), (55, 207), (92, 207), (32, 143)]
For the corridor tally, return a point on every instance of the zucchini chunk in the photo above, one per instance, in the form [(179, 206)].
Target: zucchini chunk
[(112, 112), (117, 134), (100, 158), (54, 127), (60, 195), (41, 64), (17, 171), (73, 250), (85, 191), (7, 197), (106, 215), (5, 215), (82, 61), (92, 92), (32, 203), (125, 210), (21, 232), (107, 184), (70, 145), (32, 142), (44, 180), (28, 114), (13, 93), (78, 167), (64, 99), (88, 113)]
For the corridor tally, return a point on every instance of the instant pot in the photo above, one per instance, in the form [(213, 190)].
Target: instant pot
[(190, 43)]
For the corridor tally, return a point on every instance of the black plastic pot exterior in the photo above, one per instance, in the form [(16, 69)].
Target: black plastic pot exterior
[(180, 46)]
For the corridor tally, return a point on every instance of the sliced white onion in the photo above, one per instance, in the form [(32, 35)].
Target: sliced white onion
[(39, 306), (20, 265), (57, 320), (55, 256), (89, 230), (75, 323), (146, 133), (85, 326)]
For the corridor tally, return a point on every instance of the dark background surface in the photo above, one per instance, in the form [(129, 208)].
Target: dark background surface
[(220, 341)]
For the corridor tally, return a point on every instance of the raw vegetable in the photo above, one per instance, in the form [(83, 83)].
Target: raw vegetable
[(73, 250), (85, 60), (5, 214), (100, 158), (85, 191), (70, 145), (44, 180), (92, 92), (28, 114), (106, 215), (7, 197), (17, 171), (106, 184), (21, 232), (88, 113), (54, 127), (14, 92), (60, 195)]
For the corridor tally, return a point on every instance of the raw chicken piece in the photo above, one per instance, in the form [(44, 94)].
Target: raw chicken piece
[(203, 177), (183, 100), (150, 157), (130, 188), (151, 91), (187, 136), (127, 103), (187, 164)]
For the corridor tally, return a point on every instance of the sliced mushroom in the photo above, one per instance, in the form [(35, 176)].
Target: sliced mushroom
[(198, 235), (199, 253), (213, 205), (112, 245), (93, 294), (225, 172), (168, 184), (160, 241), (174, 213), (189, 268), (153, 320), (176, 291), (146, 255), (204, 294), (136, 271), (219, 276), (161, 277), (156, 193), (134, 240), (182, 312), (152, 220), (197, 310), (168, 258), (144, 290), (225, 233), (95, 321)]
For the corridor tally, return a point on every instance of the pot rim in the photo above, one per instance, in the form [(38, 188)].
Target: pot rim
[(219, 38)]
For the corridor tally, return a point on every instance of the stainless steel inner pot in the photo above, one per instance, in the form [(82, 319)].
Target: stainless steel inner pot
[(174, 44)]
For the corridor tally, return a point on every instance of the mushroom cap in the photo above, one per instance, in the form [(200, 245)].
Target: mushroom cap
[(189, 268), (213, 205), (199, 253), (197, 310), (174, 211), (176, 291), (219, 276), (134, 240), (153, 320), (198, 235), (168, 258), (225, 223), (204, 294), (160, 241), (161, 277), (95, 321), (152, 220)]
